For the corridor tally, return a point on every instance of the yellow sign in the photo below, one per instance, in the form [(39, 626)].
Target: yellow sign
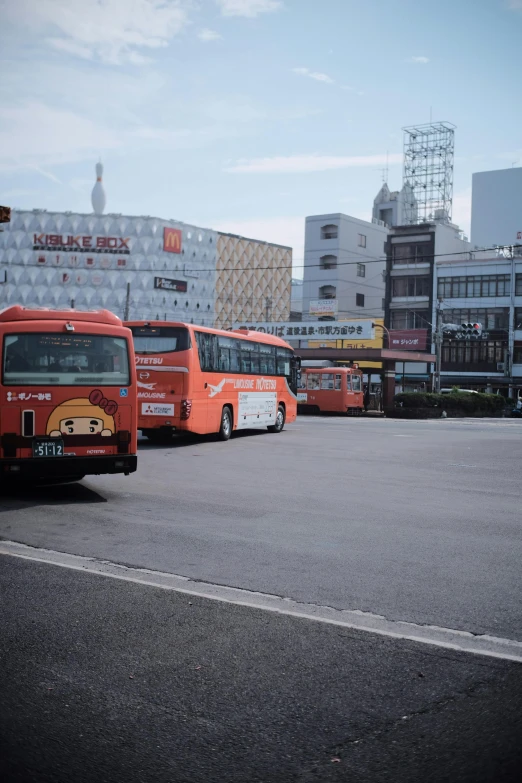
[(377, 342)]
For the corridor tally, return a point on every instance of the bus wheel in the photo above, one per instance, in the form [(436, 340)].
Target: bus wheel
[(225, 430), (280, 420)]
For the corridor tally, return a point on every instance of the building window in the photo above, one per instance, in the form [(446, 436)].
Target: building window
[(328, 262), (473, 354), (329, 232), (361, 240), (327, 292), (517, 354), (470, 286), (518, 285), (410, 254), (491, 318), (518, 318), (361, 270), (359, 300), (409, 319), (411, 286)]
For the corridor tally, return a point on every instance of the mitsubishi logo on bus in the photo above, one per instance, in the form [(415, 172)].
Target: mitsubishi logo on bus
[(171, 240)]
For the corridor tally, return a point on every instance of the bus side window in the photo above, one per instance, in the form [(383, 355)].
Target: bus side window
[(327, 380), (338, 381), (266, 359), (235, 356), (207, 348), (356, 383), (302, 384), (313, 380)]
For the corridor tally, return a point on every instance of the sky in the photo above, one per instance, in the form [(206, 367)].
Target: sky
[(247, 115)]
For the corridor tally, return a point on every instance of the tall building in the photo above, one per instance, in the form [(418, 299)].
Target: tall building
[(253, 281), (496, 208), (343, 267), (410, 313)]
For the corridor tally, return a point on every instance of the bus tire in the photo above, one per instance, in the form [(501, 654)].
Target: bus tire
[(280, 420), (225, 430)]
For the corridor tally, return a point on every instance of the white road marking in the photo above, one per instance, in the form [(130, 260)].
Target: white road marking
[(447, 638)]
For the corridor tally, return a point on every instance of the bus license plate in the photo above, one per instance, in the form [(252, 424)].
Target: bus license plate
[(48, 448)]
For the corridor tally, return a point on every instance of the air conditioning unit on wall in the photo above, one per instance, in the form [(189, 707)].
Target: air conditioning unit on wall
[(500, 366)]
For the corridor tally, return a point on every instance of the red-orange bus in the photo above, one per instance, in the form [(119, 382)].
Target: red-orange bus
[(68, 394), (195, 379), (331, 389)]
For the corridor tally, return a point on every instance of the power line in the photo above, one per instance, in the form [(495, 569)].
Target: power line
[(272, 268)]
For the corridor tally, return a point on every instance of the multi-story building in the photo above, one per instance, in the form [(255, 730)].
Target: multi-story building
[(410, 312), (392, 207), (487, 292), (141, 268), (343, 267), (253, 281), (496, 208)]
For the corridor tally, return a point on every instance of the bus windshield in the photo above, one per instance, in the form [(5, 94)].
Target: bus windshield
[(160, 339), (56, 359)]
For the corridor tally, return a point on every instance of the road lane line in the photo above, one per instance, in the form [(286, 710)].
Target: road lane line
[(447, 638)]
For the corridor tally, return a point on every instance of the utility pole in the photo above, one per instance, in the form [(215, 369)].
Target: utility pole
[(127, 304), (438, 346)]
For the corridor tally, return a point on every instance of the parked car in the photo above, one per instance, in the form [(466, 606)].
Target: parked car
[(458, 391)]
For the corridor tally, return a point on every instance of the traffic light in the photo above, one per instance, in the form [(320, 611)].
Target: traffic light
[(5, 214), (471, 330)]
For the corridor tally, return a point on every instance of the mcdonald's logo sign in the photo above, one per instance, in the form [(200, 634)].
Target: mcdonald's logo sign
[(172, 240)]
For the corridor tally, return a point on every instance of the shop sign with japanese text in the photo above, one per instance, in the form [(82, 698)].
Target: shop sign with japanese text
[(314, 330), (323, 307), (409, 339)]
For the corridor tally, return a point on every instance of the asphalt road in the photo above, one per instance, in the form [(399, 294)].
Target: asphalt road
[(415, 521), (106, 680)]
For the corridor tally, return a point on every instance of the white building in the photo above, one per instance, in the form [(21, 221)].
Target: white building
[(488, 292), (86, 261), (496, 208), (344, 264), (390, 206)]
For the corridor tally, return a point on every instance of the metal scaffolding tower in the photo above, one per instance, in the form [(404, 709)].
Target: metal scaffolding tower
[(428, 172)]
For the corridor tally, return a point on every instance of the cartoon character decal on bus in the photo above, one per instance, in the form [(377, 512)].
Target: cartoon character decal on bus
[(93, 415)]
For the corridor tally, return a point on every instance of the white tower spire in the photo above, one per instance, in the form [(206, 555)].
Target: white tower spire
[(98, 197)]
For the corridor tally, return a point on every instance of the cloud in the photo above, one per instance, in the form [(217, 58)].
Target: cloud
[(299, 164), (113, 31), (422, 60), (62, 136), (208, 35), (248, 8), (319, 77)]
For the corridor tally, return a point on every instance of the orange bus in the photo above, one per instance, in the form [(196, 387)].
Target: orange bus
[(196, 379), (331, 390), (68, 394)]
